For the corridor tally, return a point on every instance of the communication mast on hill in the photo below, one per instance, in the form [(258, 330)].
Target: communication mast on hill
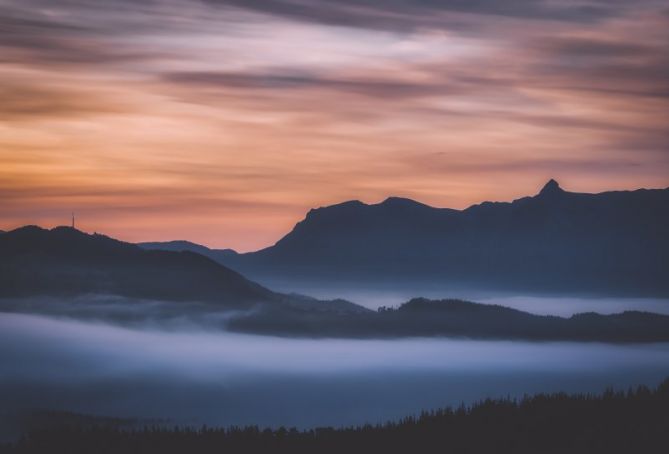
[(73, 220)]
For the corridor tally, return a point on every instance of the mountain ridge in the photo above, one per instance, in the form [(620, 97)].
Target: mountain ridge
[(66, 261), (608, 243)]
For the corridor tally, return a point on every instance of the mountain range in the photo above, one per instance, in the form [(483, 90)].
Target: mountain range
[(612, 243), (72, 269)]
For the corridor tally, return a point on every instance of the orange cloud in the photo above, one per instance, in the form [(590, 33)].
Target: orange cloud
[(224, 123)]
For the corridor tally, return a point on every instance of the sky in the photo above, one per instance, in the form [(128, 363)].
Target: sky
[(225, 121)]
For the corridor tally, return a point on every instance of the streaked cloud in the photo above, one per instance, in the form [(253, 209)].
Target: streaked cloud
[(224, 121)]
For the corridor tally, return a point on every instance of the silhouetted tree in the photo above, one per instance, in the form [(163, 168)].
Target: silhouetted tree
[(636, 421)]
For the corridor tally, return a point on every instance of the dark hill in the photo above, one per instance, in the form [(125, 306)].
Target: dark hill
[(66, 262)]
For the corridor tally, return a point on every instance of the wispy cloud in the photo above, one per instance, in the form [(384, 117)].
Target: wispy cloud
[(223, 121)]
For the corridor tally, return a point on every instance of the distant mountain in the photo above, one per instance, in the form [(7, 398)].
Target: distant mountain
[(220, 255), (67, 262), (612, 243), (456, 318)]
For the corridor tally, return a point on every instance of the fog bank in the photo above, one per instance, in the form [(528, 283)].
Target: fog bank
[(194, 376)]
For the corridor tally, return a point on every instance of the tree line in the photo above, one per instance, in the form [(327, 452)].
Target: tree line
[(633, 421)]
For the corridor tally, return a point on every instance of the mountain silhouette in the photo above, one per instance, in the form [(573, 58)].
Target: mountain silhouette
[(611, 243), (64, 261)]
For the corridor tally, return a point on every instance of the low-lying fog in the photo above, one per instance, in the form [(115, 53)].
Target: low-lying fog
[(195, 376)]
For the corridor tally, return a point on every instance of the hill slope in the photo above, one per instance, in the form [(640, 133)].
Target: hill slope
[(67, 262)]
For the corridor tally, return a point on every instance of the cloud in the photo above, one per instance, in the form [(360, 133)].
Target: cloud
[(412, 14), (225, 120), (286, 80), (30, 100), (570, 47), (63, 39)]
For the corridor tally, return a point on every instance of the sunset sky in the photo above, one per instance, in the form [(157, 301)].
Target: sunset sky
[(223, 122)]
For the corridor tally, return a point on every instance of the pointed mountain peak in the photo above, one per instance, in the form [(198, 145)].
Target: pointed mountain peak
[(552, 187)]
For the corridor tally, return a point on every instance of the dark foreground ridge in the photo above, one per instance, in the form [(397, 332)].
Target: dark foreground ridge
[(636, 421)]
